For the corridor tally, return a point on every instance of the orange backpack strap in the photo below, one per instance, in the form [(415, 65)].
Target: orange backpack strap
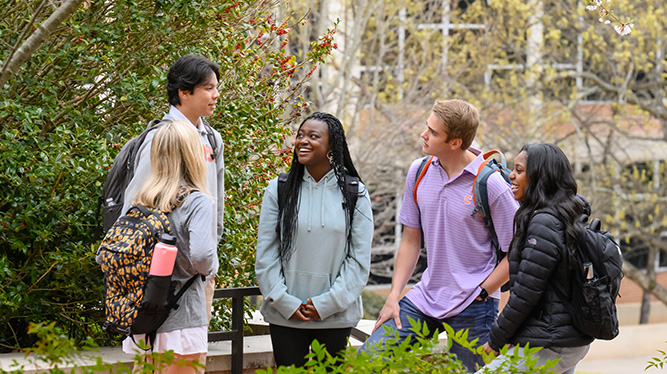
[(426, 162), (492, 152)]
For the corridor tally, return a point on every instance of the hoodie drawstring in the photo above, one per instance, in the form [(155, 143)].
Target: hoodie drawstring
[(310, 198), (322, 182)]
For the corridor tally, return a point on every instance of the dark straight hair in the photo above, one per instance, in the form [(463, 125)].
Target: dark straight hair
[(341, 164), (188, 73)]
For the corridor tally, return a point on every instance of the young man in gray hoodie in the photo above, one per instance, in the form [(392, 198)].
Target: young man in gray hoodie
[(192, 89)]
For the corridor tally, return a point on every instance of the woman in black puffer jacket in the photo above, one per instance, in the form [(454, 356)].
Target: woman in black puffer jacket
[(544, 226)]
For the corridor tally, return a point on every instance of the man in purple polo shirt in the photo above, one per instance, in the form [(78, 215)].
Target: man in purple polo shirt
[(460, 286)]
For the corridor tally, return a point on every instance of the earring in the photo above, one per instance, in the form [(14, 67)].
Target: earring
[(330, 157)]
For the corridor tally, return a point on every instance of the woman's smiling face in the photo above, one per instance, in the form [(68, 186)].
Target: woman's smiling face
[(518, 177), (312, 143)]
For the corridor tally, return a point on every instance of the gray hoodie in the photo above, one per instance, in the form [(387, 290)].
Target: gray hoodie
[(321, 268)]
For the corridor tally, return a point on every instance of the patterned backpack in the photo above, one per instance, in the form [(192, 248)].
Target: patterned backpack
[(125, 256)]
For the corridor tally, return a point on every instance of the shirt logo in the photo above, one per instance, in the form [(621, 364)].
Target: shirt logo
[(208, 152), (467, 199)]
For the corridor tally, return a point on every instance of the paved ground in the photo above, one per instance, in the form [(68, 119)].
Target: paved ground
[(619, 366)]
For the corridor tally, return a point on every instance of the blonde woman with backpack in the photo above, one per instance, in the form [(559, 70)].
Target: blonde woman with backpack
[(178, 171)]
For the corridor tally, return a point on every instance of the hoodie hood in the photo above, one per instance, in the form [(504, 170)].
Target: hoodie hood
[(328, 181)]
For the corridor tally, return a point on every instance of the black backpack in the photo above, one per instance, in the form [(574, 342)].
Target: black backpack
[(595, 287), (131, 303), (110, 203)]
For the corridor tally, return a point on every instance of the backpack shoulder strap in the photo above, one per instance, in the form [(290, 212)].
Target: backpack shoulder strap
[(210, 134), (173, 300), (479, 191), (352, 187), (423, 167), (480, 195), (183, 193), (492, 152), (282, 179), (155, 122), (158, 214)]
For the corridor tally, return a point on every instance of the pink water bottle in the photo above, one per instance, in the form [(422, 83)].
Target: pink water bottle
[(164, 256)]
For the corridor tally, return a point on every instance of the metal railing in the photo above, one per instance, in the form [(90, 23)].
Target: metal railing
[(236, 333)]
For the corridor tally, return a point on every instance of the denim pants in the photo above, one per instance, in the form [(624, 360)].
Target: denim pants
[(569, 358), (477, 318)]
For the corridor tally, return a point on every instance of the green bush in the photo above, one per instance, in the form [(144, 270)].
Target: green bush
[(58, 352), (95, 82), (424, 356)]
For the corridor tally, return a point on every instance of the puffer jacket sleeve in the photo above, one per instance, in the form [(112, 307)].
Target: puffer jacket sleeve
[(531, 268)]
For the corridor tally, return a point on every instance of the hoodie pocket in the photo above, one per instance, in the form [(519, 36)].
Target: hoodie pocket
[(303, 284)]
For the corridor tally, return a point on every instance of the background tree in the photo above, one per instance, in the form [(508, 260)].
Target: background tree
[(92, 81), (540, 71)]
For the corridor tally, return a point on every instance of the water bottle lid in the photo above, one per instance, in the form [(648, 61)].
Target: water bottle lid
[(167, 239)]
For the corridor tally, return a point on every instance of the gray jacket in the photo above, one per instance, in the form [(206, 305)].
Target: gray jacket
[(196, 255)]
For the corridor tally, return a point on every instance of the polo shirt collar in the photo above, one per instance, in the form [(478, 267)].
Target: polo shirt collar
[(472, 167)]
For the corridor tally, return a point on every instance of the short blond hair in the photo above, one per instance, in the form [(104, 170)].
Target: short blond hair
[(177, 159), (459, 118)]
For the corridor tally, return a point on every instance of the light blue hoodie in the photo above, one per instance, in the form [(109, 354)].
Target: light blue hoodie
[(321, 268)]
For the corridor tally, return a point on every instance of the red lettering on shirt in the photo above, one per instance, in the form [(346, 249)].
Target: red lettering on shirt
[(208, 152), (467, 199)]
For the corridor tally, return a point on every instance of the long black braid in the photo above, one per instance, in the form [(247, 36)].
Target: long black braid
[(289, 201), (551, 184)]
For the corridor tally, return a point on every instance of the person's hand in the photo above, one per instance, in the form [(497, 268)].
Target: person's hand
[(309, 310), (389, 310), (487, 348), (298, 316)]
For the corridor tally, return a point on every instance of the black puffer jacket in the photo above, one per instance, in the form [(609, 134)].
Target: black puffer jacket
[(534, 313)]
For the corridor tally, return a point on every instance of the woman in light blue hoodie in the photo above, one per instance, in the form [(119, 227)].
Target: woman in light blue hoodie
[(314, 245)]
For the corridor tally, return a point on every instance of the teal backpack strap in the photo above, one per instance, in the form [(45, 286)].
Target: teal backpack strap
[(481, 197)]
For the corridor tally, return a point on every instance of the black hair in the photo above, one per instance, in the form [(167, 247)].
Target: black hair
[(188, 73), (551, 184), (341, 164)]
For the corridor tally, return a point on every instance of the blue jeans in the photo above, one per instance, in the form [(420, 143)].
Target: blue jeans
[(477, 318)]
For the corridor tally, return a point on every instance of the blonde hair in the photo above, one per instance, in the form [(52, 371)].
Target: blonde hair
[(459, 118), (177, 159)]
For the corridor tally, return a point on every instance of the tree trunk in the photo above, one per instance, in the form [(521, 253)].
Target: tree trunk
[(643, 281), (645, 310), (650, 274), (12, 65)]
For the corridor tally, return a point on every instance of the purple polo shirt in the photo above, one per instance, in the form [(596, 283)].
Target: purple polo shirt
[(459, 251)]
